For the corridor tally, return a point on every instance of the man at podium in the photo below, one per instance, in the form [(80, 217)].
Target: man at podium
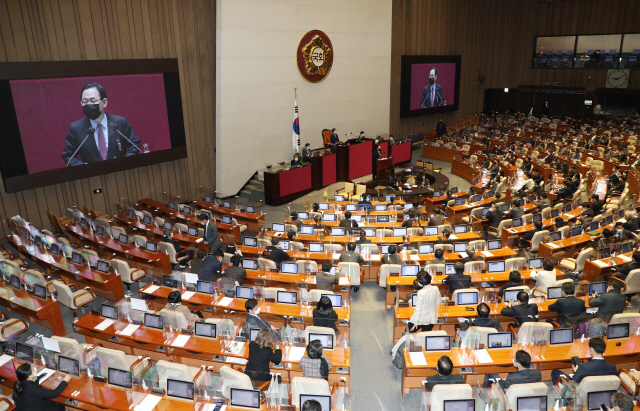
[(377, 155)]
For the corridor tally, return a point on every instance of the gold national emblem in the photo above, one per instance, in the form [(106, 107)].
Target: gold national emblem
[(315, 56)]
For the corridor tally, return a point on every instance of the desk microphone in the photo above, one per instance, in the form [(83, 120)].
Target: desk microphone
[(114, 127), (89, 132)]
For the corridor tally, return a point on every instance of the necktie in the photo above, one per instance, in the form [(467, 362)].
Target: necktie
[(102, 143), (433, 91)]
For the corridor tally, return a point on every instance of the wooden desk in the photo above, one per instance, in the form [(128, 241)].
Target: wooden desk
[(568, 245), (433, 202), (107, 286), (36, 310), (155, 233), (306, 238), (603, 267), (253, 221), (520, 231), (155, 264)]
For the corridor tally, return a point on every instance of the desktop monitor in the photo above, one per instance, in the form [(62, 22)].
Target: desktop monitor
[(437, 194), (459, 201), (554, 293), (621, 213), (425, 248), (511, 295), (370, 232), (245, 293), (567, 208), (556, 236), (168, 281), (76, 258), (277, 227), (324, 400), (109, 311), (15, 282), (151, 247), (336, 299), (517, 222), (408, 206), (208, 199), (24, 352), (226, 204), (204, 329), (100, 230), (382, 218), (40, 291), (496, 266), (83, 222), (323, 206), (521, 202), (576, 231), (69, 366), (594, 225), (180, 389), (504, 207), (499, 340), (459, 405), (205, 287), (381, 207), (460, 247), (287, 297), (491, 194), (306, 229), (535, 263), (494, 245), (329, 217), (303, 215), (555, 213), (253, 334), (384, 249), (249, 264), (172, 205), (247, 399), (409, 270), (153, 321), (626, 247), (119, 378), (537, 217), (399, 232), (532, 198), (357, 218), (289, 268), (54, 250), (615, 331), (454, 190), (187, 210), (250, 242), (609, 219), (226, 219), (338, 198), (192, 231), (437, 343), (533, 403), (468, 298), (430, 231), (389, 198), (284, 245), (103, 266), (325, 339), (316, 247), (338, 231), (598, 287), (168, 225), (459, 229), (449, 269), (595, 398), (485, 211), (561, 336), (123, 238), (351, 207), (475, 198)]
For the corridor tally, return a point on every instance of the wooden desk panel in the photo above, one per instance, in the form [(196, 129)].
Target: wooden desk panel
[(253, 221), (39, 311)]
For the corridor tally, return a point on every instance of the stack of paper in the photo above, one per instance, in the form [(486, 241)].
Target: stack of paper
[(417, 358), (552, 245), (129, 330), (225, 301), (188, 295), (151, 289), (343, 281), (296, 353), (600, 263), (5, 359), (335, 256), (149, 403), (414, 257), (180, 341), (104, 325), (482, 356), (487, 253)]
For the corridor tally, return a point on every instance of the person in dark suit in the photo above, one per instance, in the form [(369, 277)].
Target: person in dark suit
[(363, 238), (444, 376), (262, 352), (515, 280), (596, 205), (334, 137), (623, 272), (483, 319), (516, 211), (522, 362), (275, 254), (211, 267), (525, 240), (392, 257), (211, 237), (408, 223), (350, 255), (253, 319), (377, 155), (324, 279), (621, 234), (296, 161), (437, 219), (458, 280), (570, 308), (494, 216), (179, 251), (432, 94), (415, 209), (610, 303), (445, 237), (522, 312), (324, 315), (105, 143), (441, 128), (596, 366), (306, 152), (29, 395), (347, 222), (633, 222), (235, 270)]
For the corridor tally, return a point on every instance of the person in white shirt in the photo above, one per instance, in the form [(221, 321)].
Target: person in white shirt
[(426, 310), (546, 277)]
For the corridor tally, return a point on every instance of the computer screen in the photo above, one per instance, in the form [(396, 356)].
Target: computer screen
[(594, 226), (100, 230), (249, 264), (485, 211), (15, 282), (54, 249), (382, 218), (168, 281), (567, 208), (468, 298), (253, 334), (437, 194), (475, 198), (192, 231), (496, 266), (449, 269), (245, 398), (151, 247), (521, 202), (407, 206), (336, 299), (76, 258), (459, 201), (277, 227), (409, 270), (384, 249), (338, 198), (120, 378), (168, 225), (83, 222), (425, 248), (208, 199), (153, 321), (511, 295), (370, 232), (109, 311), (535, 263), (289, 268), (430, 231), (576, 231), (316, 247), (555, 213), (517, 222), (609, 219), (626, 247), (537, 403), (459, 229), (351, 207), (226, 204), (328, 217), (553, 293), (205, 287), (556, 236), (306, 229), (561, 336), (187, 210), (504, 207), (595, 398), (303, 215), (172, 205), (617, 331), (494, 245), (414, 300), (323, 206), (179, 389), (459, 405), (491, 194), (599, 287), (284, 245), (250, 241), (499, 340), (287, 297), (250, 210), (324, 400), (226, 219), (454, 190), (204, 329), (123, 238), (389, 198), (437, 343), (325, 339), (357, 218), (40, 291), (537, 217), (381, 207), (146, 219), (246, 293), (131, 213), (338, 231), (24, 352), (460, 247), (399, 232), (69, 366), (103, 266)]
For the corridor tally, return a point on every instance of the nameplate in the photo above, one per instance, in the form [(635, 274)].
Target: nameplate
[(229, 294), (269, 300), (394, 274), (241, 339), (402, 305), (439, 273), (415, 348), (186, 331), (275, 270), (99, 379), (95, 312)]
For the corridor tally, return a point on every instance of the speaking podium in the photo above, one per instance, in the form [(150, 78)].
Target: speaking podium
[(384, 168)]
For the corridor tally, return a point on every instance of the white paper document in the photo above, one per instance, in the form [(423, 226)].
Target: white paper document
[(104, 325), (374, 257), (46, 373), (624, 258), (343, 280), (180, 341), (138, 304), (414, 257), (453, 237), (188, 295), (417, 358), (551, 245), (149, 403), (151, 289), (335, 256), (51, 344), (225, 301), (482, 356), (129, 330), (296, 353), (600, 263), (191, 278), (487, 253), (5, 359), (236, 360)]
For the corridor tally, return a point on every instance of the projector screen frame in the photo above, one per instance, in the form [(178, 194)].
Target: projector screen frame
[(62, 69), (405, 84)]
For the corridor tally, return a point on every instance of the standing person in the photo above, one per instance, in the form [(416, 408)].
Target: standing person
[(441, 128), (29, 395), (432, 93), (262, 352), (426, 310), (377, 155), (211, 237)]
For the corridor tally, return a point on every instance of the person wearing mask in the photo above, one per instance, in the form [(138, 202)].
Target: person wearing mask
[(458, 280), (524, 375), (445, 374), (296, 161), (334, 136), (235, 270), (569, 308), (211, 267), (523, 311), (377, 155), (324, 279), (180, 253), (437, 219), (296, 221), (306, 152), (347, 222), (621, 234), (350, 255), (275, 254), (623, 272), (315, 363), (483, 319), (545, 277), (444, 239), (441, 128), (425, 314), (262, 352), (596, 366), (610, 303), (324, 315), (211, 237), (363, 238), (174, 303), (392, 257), (29, 395), (253, 319)]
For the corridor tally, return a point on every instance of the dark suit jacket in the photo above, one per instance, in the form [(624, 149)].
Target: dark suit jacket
[(295, 163), (568, 308), (457, 281), (486, 322), (326, 281), (306, 152), (632, 224), (325, 320), (438, 99), (334, 138), (441, 128), (236, 273), (255, 321), (275, 254), (118, 146), (594, 367), (259, 361), (351, 257), (174, 243), (436, 220), (625, 270), (365, 241), (521, 377), (515, 212), (391, 259), (348, 223), (521, 313), (34, 397), (211, 236), (494, 217), (210, 269), (610, 303), (443, 379), (377, 155)]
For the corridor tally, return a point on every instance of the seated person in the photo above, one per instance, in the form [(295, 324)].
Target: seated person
[(347, 222), (621, 234), (445, 237), (364, 202), (545, 277), (458, 280), (444, 376), (516, 211), (235, 270), (525, 240), (324, 315), (324, 279), (296, 221), (416, 210), (296, 161), (350, 255), (524, 375), (211, 267), (621, 402), (408, 223), (596, 366), (262, 352), (522, 312), (623, 272), (275, 254), (515, 280), (437, 219), (470, 255), (253, 319), (363, 238), (315, 363), (174, 303), (483, 319), (610, 303), (392, 257), (570, 308), (318, 226), (438, 258), (179, 251)]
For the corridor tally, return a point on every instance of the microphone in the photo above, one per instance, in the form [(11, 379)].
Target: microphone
[(114, 127), (89, 132)]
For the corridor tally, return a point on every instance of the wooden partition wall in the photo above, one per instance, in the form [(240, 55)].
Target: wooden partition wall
[(57, 30)]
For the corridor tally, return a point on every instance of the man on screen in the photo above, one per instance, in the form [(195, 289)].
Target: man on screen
[(432, 94), (112, 136)]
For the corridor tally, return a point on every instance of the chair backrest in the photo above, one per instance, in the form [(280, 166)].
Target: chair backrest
[(474, 266), (326, 136), (514, 263), (181, 228), (597, 383), (478, 244), (632, 282), (272, 292), (233, 379), (171, 370), (351, 270), (333, 248), (482, 333), (385, 270), (223, 325), (526, 331), (583, 257), (140, 241), (307, 265), (386, 232), (633, 319), (371, 248), (504, 224), (116, 231), (168, 249), (175, 318), (266, 264), (415, 231), (315, 294), (290, 227), (537, 239), (443, 227), (303, 385), (65, 296), (108, 357), (419, 338), (524, 390), (447, 248), (454, 297), (313, 329), (443, 392)]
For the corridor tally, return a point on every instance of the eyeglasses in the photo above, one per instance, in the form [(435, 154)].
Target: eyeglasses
[(92, 101)]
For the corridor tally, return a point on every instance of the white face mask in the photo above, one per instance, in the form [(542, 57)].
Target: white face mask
[(257, 311)]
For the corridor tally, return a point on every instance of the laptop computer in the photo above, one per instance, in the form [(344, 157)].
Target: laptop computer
[(245, 399), (561, 336), (119, 378), (68, 366), (437, 343), (325, 339), (499, 340), (182, 390)]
